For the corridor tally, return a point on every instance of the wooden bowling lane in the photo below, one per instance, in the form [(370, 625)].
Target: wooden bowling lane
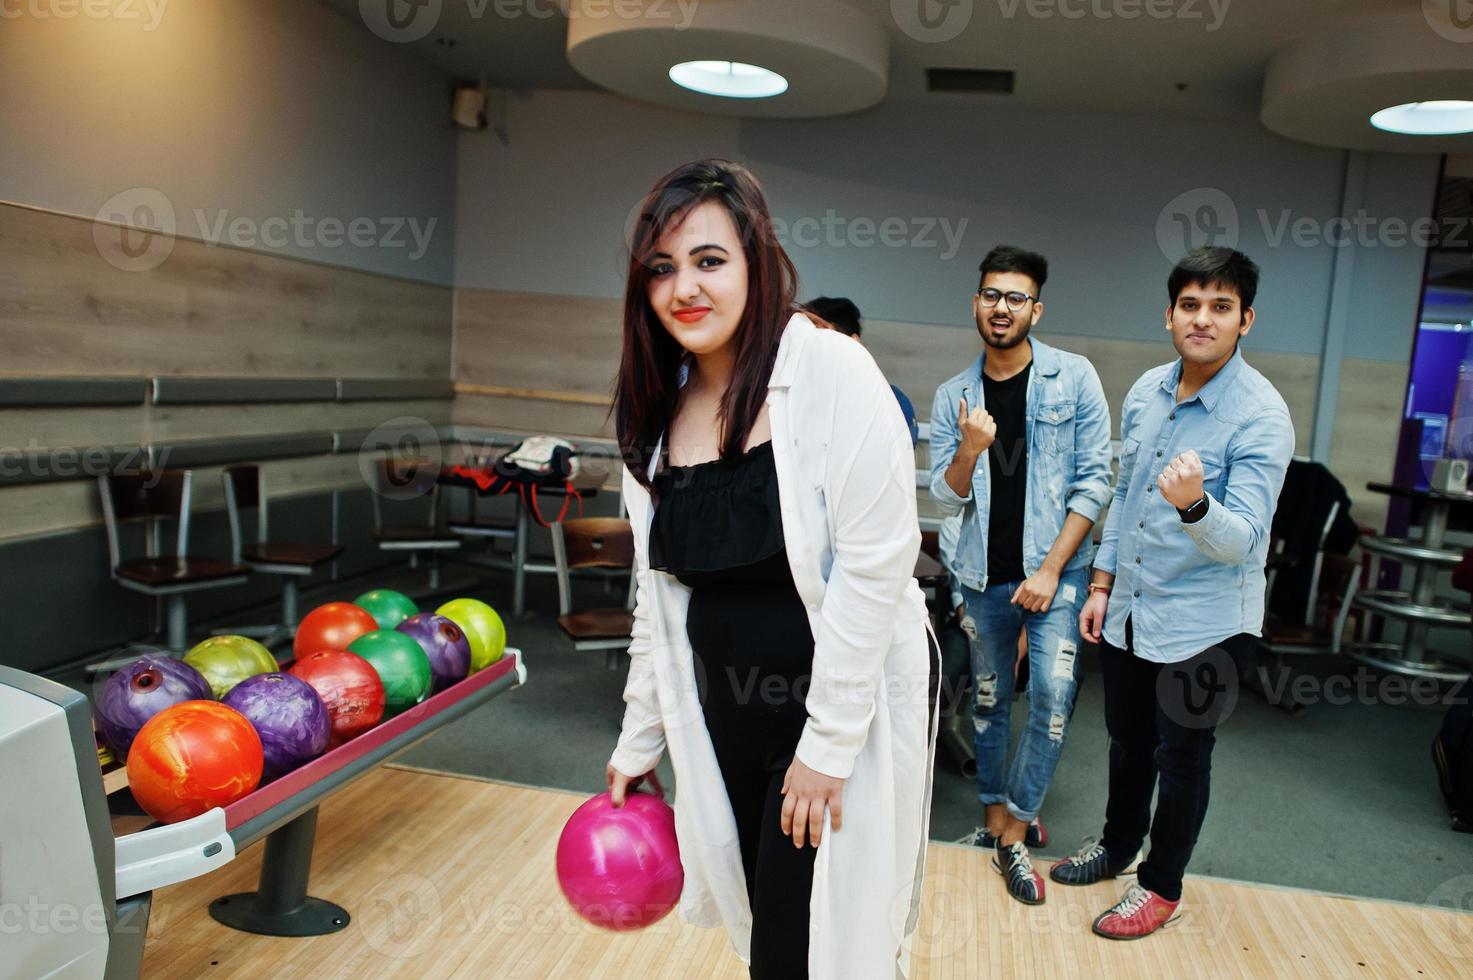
[(448, 876)]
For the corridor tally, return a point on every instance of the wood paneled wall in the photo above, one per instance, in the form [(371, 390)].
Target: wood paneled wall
[(568, 345), (205, 311)]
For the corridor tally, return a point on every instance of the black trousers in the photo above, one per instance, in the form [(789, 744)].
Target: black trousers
[(755, 652), (1162, 720)]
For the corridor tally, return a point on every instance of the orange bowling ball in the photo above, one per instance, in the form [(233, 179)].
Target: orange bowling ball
[(332, 627), (193, 757)]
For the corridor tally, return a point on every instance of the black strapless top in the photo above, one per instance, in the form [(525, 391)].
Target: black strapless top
[(718, 529), (719, 522)]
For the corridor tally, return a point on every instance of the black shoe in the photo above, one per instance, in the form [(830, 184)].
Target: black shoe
[(1091, 864), (1024, 884)]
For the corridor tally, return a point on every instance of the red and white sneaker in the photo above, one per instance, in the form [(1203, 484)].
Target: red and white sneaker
[(1137, 915)]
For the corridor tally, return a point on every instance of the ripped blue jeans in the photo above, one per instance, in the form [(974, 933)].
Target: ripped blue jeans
[(992, 624)]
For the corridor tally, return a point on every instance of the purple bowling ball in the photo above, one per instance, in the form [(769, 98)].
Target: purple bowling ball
[(288, 714), (444, 643), (141, 690)]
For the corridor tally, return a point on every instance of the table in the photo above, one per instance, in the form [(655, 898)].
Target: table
[(1419, 608), (586, 484)]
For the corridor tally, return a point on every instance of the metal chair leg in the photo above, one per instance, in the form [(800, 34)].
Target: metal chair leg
[(178, 623)]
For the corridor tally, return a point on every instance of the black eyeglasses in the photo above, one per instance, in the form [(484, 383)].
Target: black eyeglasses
[(1016, 300)]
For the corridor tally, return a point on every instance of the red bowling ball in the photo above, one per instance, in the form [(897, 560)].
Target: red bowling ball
[(332, 627), (350, 688)]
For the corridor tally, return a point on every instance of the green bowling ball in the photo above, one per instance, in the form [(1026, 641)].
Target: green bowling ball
[(227, 660), (481, 626), (401, 664), (387, 607)]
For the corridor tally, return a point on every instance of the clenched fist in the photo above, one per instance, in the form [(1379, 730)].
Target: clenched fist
[(978, 429), (1181, 482)]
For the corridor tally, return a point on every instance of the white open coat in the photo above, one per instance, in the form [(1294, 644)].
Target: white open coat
[(846, 484)]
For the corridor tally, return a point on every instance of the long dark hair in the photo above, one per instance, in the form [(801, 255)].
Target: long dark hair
[(649, 373)]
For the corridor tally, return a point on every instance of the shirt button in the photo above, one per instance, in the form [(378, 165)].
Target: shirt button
[(1172, 416), (1137, 559), (1137, 593), (1158, 454), (1141, 524)]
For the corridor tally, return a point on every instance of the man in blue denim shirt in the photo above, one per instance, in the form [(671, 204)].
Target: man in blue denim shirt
[(1178, 586), (1020, 446)]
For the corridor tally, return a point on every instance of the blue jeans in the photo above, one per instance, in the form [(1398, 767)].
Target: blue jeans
[(992, 624)]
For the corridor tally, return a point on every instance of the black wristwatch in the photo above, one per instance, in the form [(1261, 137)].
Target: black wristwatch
[(1194, 513)]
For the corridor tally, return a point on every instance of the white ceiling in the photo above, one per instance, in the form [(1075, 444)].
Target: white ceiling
[(1217, 49)]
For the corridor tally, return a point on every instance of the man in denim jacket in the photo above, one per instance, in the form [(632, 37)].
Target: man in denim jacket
[(1178, 585), (1020, 446)]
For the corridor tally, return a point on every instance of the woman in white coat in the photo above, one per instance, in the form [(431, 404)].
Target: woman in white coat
[(780, 646)]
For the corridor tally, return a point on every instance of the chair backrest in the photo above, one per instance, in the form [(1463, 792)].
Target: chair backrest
[(245, 488), (1301, 580), (590, 542), (404, 478), (151, 497)]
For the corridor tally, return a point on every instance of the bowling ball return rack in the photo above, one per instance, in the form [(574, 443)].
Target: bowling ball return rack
[(73, 851)]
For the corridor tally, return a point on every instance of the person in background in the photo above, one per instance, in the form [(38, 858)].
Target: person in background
[(1178, 589), (843, 316), (1020, 447)]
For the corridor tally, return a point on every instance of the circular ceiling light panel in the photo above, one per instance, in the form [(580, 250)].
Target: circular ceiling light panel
[(1444, 118), (1385, 84), (753, 58), (729, 79)]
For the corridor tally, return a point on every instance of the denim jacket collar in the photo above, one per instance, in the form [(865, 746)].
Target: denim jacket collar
[(1045, 360), (1212, 392)]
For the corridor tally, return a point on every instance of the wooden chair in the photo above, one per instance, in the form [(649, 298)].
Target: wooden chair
[(594, 542), (245, 489), (155, 498)]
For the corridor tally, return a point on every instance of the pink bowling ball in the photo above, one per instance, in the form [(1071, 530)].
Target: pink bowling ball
[(620, 868)]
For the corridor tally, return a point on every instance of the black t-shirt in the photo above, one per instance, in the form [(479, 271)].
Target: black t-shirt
[(1007, 463)]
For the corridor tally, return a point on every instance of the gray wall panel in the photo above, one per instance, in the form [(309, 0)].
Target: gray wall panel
[(213, 452), (59, 601), (222, 391), (16, 392), (394, 389)]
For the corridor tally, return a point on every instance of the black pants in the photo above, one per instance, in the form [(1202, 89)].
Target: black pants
[(779, 875), (1162, 720), (756, 655)]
